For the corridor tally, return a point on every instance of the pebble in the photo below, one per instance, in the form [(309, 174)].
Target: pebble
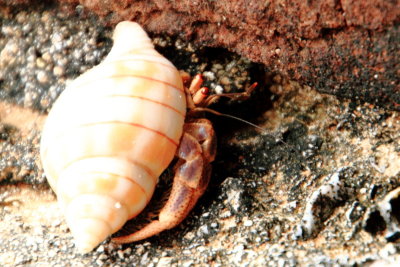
[(165, 261), (209, 75), (42, 77), (219, 89), (225, 80), (248, 223), (120, 254), (204, 230), (40, 63), (58, 71)]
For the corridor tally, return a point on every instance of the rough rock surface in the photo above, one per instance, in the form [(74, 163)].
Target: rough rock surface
[(320, 187), (347, 48)]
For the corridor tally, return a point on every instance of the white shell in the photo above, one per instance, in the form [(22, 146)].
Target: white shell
[(110, 135)]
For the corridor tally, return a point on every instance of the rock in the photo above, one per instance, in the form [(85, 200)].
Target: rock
[(321, 205), (385, 216), (346, 48)]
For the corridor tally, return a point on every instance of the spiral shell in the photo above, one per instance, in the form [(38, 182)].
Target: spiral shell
[(111, 134)]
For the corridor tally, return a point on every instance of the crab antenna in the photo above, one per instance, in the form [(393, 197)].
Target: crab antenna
[(232, 117)]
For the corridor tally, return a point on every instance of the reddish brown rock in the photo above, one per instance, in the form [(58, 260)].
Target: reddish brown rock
[(347, 48)]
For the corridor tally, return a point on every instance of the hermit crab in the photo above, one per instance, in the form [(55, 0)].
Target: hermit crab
[(111, 134)]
